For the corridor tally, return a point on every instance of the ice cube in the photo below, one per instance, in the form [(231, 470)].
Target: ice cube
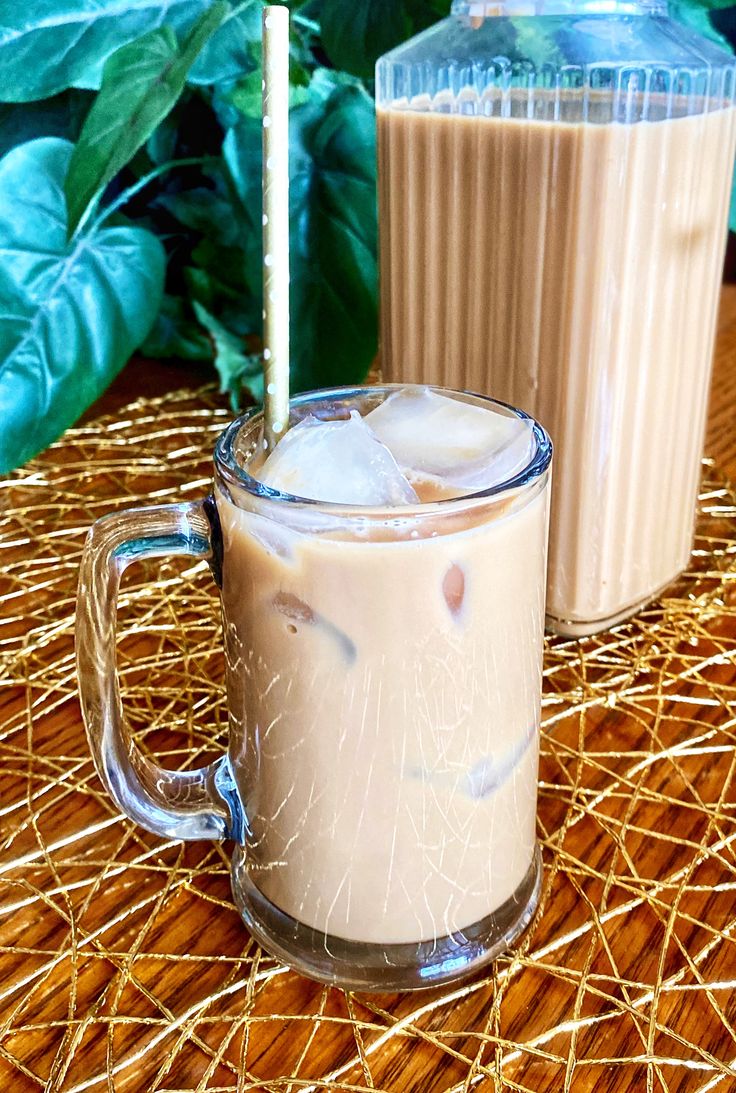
[(463, 445), (297, 611), (453, 589), (338, 461)]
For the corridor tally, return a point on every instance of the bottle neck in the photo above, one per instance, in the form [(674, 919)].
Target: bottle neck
[(479, 9)]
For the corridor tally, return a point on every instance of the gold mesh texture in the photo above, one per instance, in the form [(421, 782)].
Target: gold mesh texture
[(123, 964)]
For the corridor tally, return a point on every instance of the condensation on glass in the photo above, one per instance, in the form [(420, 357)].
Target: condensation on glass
[(384, 694), (554, 183)]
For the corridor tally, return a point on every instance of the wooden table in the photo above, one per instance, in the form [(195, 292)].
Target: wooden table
[(123, 965), (721, 441)]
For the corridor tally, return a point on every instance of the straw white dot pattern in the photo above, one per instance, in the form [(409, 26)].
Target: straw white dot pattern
[(276, 221)]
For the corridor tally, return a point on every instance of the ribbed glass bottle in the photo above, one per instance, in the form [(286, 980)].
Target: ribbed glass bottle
[(554, 183)]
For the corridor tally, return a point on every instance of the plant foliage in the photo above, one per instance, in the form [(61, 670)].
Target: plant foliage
[(72, 313), (130, 204)]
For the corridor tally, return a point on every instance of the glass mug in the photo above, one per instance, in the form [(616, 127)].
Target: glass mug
[(384, 695)]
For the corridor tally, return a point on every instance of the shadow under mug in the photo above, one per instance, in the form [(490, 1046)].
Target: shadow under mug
[(384, 693)]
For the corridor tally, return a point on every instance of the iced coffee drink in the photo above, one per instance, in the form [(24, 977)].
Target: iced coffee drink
[(553, 224), (384, 599)]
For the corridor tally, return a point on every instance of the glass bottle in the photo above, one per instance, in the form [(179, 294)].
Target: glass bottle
[(554, 183)]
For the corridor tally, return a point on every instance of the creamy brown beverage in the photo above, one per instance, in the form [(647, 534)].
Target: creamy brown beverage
[(385, 669), (571, 269)]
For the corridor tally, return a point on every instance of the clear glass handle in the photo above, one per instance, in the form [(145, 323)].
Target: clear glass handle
[(198, 804)]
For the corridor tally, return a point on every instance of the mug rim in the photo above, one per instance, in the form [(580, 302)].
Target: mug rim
[(231, 471)]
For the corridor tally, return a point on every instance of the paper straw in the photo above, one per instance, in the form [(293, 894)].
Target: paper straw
[(275, 223)]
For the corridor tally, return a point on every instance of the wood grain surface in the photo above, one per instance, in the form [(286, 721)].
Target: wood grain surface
[(124, 967), (721, 438)]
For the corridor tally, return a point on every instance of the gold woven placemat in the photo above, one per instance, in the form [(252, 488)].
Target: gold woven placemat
[(123, 964)]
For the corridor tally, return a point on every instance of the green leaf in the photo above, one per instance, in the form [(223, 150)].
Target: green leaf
[(61, 116), (356, 34), (223, 238), (425, 12), (333, 234), (141, 83), (247, 95), (209, 212), (711, 5), (70, 313), (49, 45), (235, 367), (175, 334), (234, 50), (695, 15)]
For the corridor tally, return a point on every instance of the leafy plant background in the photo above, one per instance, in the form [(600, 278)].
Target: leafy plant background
[(130, 210)]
